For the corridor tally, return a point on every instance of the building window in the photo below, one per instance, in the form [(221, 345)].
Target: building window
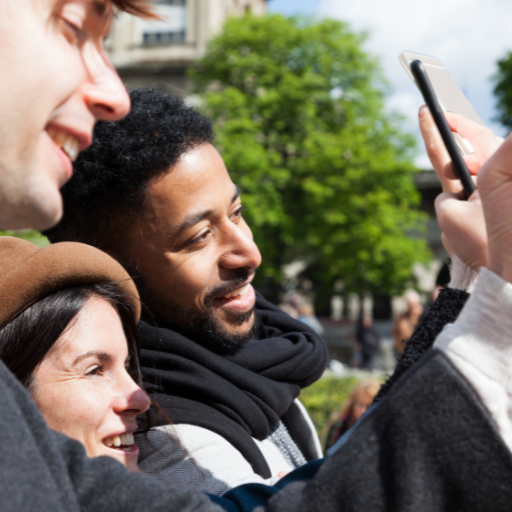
[(171, 29)]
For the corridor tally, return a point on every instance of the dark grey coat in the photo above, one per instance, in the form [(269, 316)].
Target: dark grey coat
[(45, 471), (429, 446)]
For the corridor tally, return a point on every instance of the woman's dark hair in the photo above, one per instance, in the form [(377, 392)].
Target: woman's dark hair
[(27, 339)]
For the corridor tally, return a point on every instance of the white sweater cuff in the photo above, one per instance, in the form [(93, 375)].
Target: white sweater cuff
[(462, 277), (479, 344), (482, 334)]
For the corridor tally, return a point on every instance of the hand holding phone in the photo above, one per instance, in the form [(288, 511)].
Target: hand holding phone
[(437, 113), (462, 222), (441, 94)]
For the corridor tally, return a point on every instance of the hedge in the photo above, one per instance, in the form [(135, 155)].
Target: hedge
[(324, 397)]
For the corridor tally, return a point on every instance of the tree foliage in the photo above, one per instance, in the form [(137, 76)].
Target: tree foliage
[(325, 171), (30, 235), (503, 90)]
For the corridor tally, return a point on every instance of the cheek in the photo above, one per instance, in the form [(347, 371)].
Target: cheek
[(68, 65), (186, 276), (196, 276), (45, 58), (77, 411)]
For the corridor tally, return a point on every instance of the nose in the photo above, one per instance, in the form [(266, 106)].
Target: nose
[(104, 93), (240, 250), (131, 399)]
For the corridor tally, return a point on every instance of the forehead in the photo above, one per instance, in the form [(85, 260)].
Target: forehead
[(97, 326), (199, 181)]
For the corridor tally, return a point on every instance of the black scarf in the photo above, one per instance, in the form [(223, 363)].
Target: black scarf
[(238, 395)]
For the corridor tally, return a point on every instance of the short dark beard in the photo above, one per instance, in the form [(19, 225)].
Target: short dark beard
[(205, 327), (207, 330)]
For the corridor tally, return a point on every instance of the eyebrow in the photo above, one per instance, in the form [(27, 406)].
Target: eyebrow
[(102, 356), (193, 219)]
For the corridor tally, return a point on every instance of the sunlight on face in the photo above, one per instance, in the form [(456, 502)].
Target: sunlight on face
[(57, 82), (83, 388), (197, 246)]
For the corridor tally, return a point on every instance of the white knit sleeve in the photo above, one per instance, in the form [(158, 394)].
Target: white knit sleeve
[(210, 463), (462, 277), (479, 344)]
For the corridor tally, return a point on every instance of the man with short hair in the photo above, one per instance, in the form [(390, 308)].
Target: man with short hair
[(224, 364)]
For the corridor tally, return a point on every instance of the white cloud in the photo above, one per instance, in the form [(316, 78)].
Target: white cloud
[(468, 36)]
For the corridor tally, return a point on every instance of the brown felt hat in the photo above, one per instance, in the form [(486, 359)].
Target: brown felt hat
[(28, 273)]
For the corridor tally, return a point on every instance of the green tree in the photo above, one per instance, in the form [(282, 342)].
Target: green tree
[(30, 235), (325, 171), (503, 90)]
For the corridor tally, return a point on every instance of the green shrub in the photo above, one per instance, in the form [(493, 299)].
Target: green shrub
[(324, 397), (28, 234)]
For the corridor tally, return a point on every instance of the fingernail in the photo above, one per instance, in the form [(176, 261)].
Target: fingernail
[(467, 146), (423, 111)]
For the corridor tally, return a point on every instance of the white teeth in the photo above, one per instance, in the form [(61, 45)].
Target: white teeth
[(125, 439), (66, 142), (241, 291), (72, 148)]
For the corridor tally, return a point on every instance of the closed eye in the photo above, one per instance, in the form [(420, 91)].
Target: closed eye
[(72, 32)]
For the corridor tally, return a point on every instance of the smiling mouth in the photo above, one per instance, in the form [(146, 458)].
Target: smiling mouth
[(67, 142), (239, 292), (123, 442)]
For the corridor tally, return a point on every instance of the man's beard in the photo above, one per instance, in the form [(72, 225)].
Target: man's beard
[(205, 327)]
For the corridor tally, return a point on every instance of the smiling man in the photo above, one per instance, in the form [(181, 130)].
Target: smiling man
[(56, 83), (225, 365), (192, 250)]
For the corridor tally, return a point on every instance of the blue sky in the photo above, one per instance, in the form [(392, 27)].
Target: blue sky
[(291, 7), (468, 36)]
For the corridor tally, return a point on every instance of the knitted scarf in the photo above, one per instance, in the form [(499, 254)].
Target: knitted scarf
[(238, 395)]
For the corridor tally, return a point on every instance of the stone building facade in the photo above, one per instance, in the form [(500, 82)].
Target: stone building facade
[(158, 53)]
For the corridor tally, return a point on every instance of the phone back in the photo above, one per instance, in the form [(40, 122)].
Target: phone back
[(447, 91)]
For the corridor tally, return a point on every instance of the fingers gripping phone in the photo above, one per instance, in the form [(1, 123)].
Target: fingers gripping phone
[(441, 93)]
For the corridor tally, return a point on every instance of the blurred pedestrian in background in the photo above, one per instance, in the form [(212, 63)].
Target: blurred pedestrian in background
[(307, 316), (433, 297), (368, 340), (357, 403), (406, 322)]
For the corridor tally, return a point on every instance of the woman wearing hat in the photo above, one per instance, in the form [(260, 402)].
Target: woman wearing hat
[(68, 316)]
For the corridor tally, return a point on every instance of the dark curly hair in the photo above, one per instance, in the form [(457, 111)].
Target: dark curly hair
[(108, 188)]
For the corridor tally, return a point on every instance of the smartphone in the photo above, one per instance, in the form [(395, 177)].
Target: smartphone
[(441, 93)]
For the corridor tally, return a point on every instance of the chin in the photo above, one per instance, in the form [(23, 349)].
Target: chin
[(32, 209), (130, 463), (132, 466), (238, 328)]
